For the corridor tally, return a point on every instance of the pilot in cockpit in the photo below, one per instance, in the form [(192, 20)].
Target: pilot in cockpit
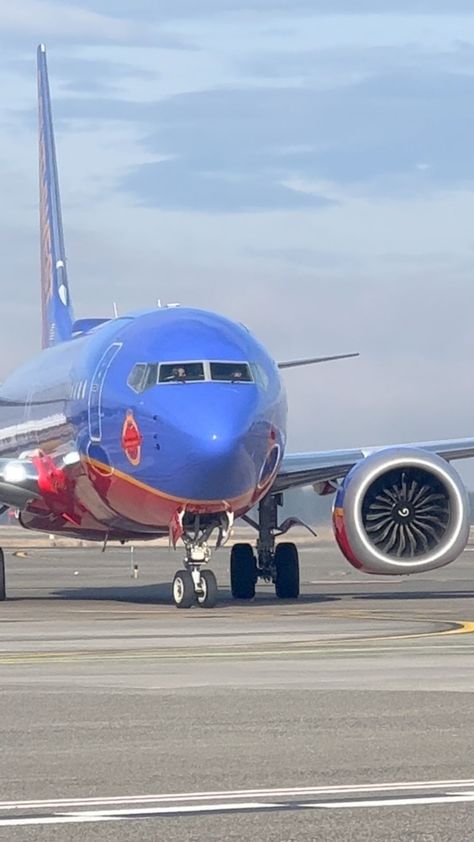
[(178, 373)]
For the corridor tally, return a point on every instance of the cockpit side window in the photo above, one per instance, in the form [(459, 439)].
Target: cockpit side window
[(260, 376), (233, 372), (137, 376), (181, 372), (142, 376), (151, 375)]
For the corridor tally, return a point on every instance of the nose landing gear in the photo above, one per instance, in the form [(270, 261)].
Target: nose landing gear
[(195, 584)]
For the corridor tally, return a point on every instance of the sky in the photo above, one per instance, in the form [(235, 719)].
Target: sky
[(303, 166)]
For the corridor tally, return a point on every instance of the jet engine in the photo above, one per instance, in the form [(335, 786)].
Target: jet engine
[(401, 510)]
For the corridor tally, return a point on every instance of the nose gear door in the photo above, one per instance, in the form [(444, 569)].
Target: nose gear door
[(96, 389)]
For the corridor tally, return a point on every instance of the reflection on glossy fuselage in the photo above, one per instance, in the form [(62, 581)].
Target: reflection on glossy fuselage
[(203, 444)]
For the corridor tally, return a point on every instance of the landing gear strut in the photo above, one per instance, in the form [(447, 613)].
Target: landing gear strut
[(193, 584), (196, 583), (3, 587), (277, 563)]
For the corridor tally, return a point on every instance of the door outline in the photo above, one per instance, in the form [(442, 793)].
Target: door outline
[(96, 389)]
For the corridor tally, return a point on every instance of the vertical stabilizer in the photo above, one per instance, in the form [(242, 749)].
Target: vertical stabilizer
[(57, 312)]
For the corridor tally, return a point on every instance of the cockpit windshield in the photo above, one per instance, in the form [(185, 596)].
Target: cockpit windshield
[(181, 372), (235, 372), (145, 375)]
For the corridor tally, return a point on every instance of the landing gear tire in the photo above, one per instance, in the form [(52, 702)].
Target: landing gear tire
[(207, 596), (3, 588), (243, 571), (183, 589), (287, 580)]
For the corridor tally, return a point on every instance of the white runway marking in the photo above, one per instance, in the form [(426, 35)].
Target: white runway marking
[(395, 802), (109, 809)]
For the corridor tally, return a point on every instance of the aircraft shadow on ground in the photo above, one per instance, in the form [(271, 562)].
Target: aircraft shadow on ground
[(160, 594), (402, 596)]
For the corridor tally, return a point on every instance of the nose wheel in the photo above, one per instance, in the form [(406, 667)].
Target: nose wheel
[(197, 584), (183, 589), (191, 586), (207, 595)]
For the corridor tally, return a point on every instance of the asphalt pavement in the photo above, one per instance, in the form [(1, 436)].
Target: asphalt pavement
[(345, 715)]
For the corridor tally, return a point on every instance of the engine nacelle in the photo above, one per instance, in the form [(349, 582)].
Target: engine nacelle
[(401, 510)]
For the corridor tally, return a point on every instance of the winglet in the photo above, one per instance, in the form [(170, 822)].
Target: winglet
[(57, 315)]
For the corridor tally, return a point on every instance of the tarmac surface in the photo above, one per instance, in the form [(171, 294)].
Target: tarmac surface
[(345, 715)]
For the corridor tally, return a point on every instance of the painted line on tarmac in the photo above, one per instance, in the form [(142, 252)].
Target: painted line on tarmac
[(139, 807), (264, 792), (343, 644)]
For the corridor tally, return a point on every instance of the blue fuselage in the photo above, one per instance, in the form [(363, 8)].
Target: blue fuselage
[(136, 448)]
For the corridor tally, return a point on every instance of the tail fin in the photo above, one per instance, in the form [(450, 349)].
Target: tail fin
[(57, 312)]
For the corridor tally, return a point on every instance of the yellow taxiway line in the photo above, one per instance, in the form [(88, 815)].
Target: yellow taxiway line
[(311, 648)]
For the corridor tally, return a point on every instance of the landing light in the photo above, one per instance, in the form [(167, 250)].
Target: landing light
[(14, 473), (71, 458)]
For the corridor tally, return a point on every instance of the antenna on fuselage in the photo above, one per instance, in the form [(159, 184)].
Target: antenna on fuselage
[(162, 306), (116, 312)]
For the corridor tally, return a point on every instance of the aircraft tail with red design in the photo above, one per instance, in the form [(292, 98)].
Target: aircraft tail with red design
[(57, 314)]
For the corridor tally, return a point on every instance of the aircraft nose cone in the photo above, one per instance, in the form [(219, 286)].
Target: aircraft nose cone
[(207, 441)]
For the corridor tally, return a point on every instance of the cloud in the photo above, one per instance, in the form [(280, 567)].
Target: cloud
[(190, 8), (50, 20), (400, 133), (174, 186), (327, 68), (60, 19)]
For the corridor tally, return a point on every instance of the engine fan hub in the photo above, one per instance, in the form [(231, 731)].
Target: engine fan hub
[(403, 513)]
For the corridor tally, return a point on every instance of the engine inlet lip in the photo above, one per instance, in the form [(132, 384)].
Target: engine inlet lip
[(410, 460)]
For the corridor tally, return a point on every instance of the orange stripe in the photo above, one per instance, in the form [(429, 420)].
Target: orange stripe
[(232, 502)]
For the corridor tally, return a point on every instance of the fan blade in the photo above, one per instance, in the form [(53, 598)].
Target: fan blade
[(380, 538), (393, 538), (411, 540), (402, 543), (421, 535)]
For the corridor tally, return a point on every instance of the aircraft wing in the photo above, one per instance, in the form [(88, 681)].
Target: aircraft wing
[(298, 469), (314, 360)]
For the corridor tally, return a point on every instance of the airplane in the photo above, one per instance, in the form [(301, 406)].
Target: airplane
[(172, 422)]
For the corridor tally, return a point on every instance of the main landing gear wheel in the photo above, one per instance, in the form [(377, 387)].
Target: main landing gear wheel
[(243, 571), (287, 579), (207, 595), (183, 589), (3, 588)]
